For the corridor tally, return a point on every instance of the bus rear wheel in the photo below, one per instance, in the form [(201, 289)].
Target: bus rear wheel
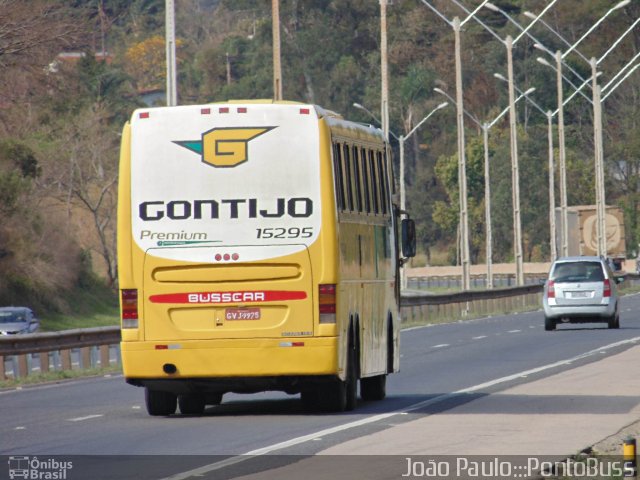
[(192, 404), (373, 388), (160, 403), (339, 395)]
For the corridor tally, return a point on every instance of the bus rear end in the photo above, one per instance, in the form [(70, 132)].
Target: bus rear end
[(222, 257)]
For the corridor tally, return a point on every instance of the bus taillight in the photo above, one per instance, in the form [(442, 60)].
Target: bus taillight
[(327, 301), (129, 300)]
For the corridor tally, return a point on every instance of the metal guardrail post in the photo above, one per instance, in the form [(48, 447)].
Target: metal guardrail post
[(44, 362), (104, 356), (21, 348)]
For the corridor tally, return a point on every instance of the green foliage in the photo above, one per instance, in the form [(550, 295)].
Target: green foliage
[(19, 156), (59, 143), (12, 185)]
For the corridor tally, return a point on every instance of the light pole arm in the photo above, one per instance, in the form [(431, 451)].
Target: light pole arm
[(575, 89), (534, 21), (488, 29), (452, 100), (365, 109), (615, 44), (620, 82), (594, 26), (473, 14), (506, 109), (557, 34), (439, 107), (449, 22)]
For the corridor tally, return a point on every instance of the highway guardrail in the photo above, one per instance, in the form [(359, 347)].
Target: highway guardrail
[(99, 347)]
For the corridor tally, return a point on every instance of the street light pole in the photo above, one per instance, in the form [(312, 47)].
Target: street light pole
[(562, 160), (487, 207), (599, 160), (170, 26), (552, 200), (462, 174), (515, 175), (384, 87), (597, 127), (277, 69), (402, 139), (462, 164), (552, 193)]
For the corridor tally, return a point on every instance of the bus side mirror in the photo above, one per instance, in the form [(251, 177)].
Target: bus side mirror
[(408, 238)]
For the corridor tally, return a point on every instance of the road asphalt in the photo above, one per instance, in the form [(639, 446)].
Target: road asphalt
[(592, 405), (562, 414)]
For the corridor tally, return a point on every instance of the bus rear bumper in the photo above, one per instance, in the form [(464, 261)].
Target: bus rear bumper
[(241, 365)]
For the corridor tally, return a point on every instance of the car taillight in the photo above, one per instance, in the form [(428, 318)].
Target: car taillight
[(606, 290), (551, 289), (327, 302), (129, 301)]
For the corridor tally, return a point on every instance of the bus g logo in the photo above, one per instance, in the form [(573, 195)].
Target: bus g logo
[(224, 147)]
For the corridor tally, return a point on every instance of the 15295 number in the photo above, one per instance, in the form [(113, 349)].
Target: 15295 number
[(291, 232)]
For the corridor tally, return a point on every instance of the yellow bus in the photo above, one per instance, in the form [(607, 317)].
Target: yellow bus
[(258, 249)]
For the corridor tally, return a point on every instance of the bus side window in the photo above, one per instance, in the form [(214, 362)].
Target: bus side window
[(384, 186), (347, 176), (374, 183), (365, 180), (337, 175), (357, 179)]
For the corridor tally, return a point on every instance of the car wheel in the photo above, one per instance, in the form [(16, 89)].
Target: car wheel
[(549, 324), (614, 321)]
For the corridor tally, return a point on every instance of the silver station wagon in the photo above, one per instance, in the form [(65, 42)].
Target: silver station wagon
[(581, 290)]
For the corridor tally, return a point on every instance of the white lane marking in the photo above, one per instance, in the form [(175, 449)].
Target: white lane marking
[(80, 419), (375, 418), (442, 345), (47, 386), (479, 337), (515, 331), (20, 428)]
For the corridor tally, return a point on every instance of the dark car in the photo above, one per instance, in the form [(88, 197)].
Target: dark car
[(15, 320), (581, 290)]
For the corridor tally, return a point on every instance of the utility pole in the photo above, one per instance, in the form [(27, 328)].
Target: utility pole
[(562, 160), (277, 70), (384, 96), (515, 171), (462, 164), (170, 40)]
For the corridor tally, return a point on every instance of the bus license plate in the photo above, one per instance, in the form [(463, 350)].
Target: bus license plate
[(242, 314)]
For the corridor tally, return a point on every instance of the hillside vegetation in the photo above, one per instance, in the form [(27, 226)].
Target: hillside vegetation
[(73, 71)]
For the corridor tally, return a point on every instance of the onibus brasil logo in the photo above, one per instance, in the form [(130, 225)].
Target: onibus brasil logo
[(224, 147), (32, 468)]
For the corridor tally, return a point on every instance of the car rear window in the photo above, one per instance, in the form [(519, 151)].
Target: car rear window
[(577, 272), (13, 316)]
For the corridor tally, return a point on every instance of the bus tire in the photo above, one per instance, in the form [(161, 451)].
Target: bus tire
[(214, 398), (311, 399), (373, 388), (191, 404), (160, 403), (351, 382), (390, 347), (340, 395)]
